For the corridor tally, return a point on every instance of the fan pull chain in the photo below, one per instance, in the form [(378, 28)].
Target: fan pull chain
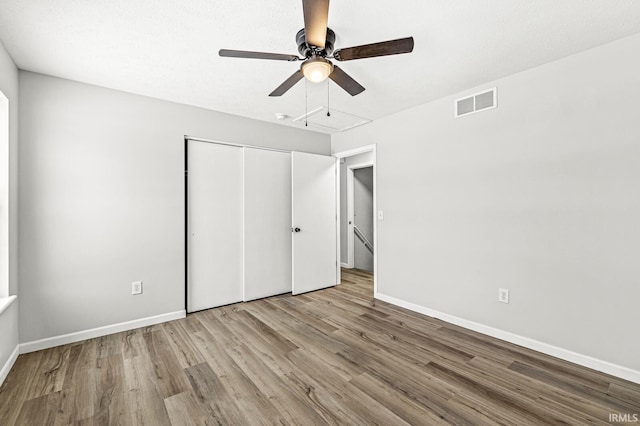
[(306, 104), (328, 85)]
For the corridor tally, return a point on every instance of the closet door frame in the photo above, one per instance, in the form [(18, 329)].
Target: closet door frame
[(188, 138)]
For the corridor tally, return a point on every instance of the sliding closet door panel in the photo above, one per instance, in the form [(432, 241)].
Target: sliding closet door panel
[(314, 218), (267, 223), (214, 252)]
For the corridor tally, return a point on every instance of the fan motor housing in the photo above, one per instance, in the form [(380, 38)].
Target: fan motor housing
[(308, 50)]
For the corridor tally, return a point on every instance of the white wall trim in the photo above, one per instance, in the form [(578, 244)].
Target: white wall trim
[(344, 265), (355, 151), (349, 153), (545, 348), (242, 233), (338, 248), (375, 219), (77, 336), (9, 364)]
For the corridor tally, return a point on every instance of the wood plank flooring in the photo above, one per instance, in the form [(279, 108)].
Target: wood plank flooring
[(333, 356)]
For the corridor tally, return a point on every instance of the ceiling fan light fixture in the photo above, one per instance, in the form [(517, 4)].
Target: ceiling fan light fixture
[(315, 45), (317, 70)]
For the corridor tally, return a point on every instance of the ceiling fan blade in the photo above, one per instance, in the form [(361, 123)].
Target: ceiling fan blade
[(256, 55), (316, 15), (345, 81), (385, 48), (288, 84)]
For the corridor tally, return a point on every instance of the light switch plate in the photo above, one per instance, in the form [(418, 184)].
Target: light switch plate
[(380, 215)]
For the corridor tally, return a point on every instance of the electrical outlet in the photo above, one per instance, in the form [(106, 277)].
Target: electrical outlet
[(136, 287), (503, 295)]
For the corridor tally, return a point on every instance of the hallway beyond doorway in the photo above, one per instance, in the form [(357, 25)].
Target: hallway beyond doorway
[(357, 281)]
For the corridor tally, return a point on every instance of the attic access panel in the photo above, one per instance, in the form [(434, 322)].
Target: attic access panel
[(338, 120)]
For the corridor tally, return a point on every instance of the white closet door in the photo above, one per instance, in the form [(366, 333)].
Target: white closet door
[(214, 251), (314, 220), (267, 223)]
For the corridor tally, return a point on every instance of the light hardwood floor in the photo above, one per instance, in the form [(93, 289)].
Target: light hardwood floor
[(333, 356)]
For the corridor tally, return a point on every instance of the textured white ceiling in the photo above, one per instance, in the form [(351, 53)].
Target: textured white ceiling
[(168, 48)]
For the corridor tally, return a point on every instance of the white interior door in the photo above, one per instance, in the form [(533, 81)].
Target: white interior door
[(314, 218), (214, 225), (267, 223)]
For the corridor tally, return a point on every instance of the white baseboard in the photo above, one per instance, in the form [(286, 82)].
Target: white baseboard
[(545, 348), (7, 365), (344, 265), (64, 339)]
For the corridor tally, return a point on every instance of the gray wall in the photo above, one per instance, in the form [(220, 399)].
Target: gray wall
[(363, 216), (539, 196), (9, 185), (366, 157), (102, 200)]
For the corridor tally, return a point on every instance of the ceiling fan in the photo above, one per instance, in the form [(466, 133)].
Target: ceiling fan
[(315, 44)]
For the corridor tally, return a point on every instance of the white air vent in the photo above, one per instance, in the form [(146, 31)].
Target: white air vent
[(477, 102), (338, 120)]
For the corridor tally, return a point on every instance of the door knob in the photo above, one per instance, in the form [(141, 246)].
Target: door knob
[(296, 229)]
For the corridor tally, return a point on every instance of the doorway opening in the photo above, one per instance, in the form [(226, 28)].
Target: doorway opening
[(357, 218)]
